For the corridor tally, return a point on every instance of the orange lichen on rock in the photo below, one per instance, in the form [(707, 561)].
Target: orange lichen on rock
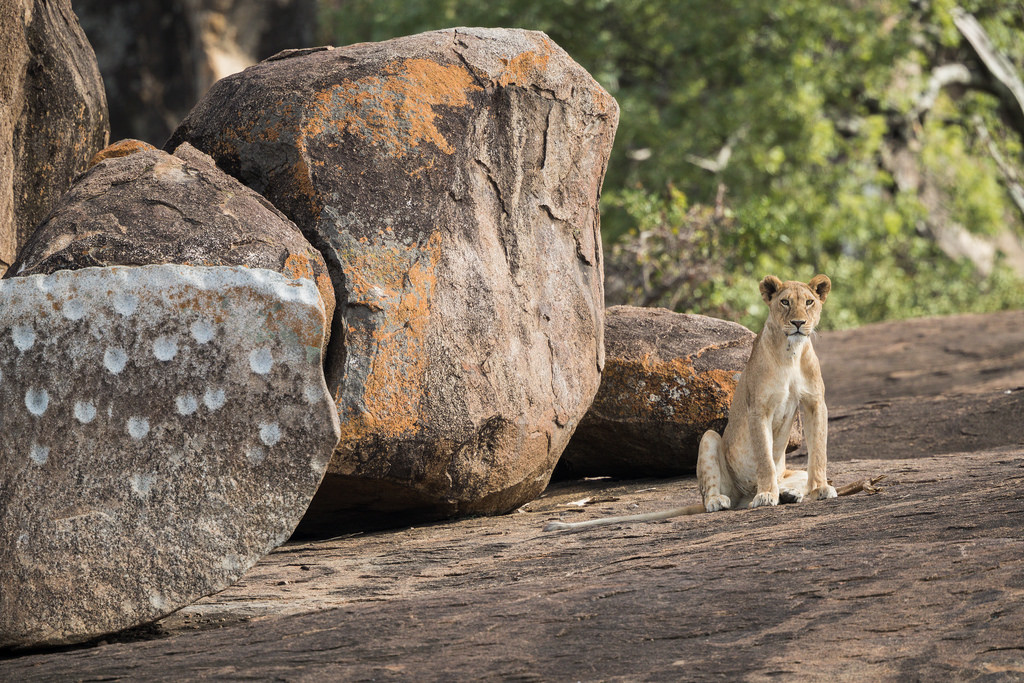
[(281, 322), (666, 390), (396, 282), (200, 305), (326, 289), (304, 186), (519, 70), (396, 110), (216, 306), (122, 148), (299, 266)]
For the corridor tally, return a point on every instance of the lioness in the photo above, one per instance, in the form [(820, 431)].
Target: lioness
[(746, 465)]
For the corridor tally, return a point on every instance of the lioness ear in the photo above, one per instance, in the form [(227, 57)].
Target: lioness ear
[(821, 286), (769, 286)]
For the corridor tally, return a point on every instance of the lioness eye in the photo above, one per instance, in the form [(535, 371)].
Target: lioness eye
[(810, 302), (785, 302)]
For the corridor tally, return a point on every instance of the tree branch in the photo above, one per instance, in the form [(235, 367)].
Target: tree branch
[(942, 77), (1010, 175), (721, 160), (1008, 85)]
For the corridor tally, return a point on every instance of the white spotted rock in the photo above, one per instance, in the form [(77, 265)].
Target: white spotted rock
[(161, 428)]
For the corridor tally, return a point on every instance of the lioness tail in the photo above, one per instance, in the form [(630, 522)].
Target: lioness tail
[(647, 517)]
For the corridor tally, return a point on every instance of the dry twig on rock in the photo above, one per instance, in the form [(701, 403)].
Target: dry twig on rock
[(866, 485)]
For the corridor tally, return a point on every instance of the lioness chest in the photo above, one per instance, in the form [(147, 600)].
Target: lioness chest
[(785, 394)]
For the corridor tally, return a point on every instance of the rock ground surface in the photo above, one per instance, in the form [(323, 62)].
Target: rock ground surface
[(164, 427), (921, 581), (451, 180)]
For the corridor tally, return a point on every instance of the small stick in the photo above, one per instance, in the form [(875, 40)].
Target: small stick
[(858, 486)]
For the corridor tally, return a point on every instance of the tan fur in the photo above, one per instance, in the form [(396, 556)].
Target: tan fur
[(746, 465)]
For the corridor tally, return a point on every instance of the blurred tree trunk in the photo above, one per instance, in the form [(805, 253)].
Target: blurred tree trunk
[(159, 57), (978, 66)]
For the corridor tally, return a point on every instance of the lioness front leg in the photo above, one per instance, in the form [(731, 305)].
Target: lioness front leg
[(815, 417), (761, 451)]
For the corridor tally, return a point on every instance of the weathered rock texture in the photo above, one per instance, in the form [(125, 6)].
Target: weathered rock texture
[(163, 428), (53, 113), (160, 56), (140, 206), (668, 378), (451, 180)]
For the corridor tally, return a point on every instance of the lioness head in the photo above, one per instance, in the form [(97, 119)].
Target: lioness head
[(795, 307)]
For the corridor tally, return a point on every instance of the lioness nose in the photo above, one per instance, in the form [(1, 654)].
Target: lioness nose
[(798, 323)]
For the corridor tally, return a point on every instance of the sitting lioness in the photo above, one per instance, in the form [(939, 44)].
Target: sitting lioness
[(746, 465)]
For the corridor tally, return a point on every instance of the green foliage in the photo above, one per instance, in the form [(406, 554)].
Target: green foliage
[(812, 98)]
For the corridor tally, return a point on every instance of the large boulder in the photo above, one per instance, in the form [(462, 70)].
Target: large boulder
[(53, 113), (141, 206), (668, 378), (163, 428), (451, 181)]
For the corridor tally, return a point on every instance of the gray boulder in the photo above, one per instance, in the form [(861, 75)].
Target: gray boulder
[(163, 428), (451, 181), (53, 113)]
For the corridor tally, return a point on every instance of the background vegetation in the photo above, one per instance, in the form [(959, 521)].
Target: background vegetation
[(794, 137)]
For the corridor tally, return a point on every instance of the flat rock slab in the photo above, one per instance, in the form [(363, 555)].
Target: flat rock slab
[(919, 582), (926, 357), (898, 389), (163, 427)]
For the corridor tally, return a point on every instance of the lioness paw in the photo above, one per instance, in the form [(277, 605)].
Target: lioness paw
[(717, 502), (790, 495), (823, 492), (764, 498)]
